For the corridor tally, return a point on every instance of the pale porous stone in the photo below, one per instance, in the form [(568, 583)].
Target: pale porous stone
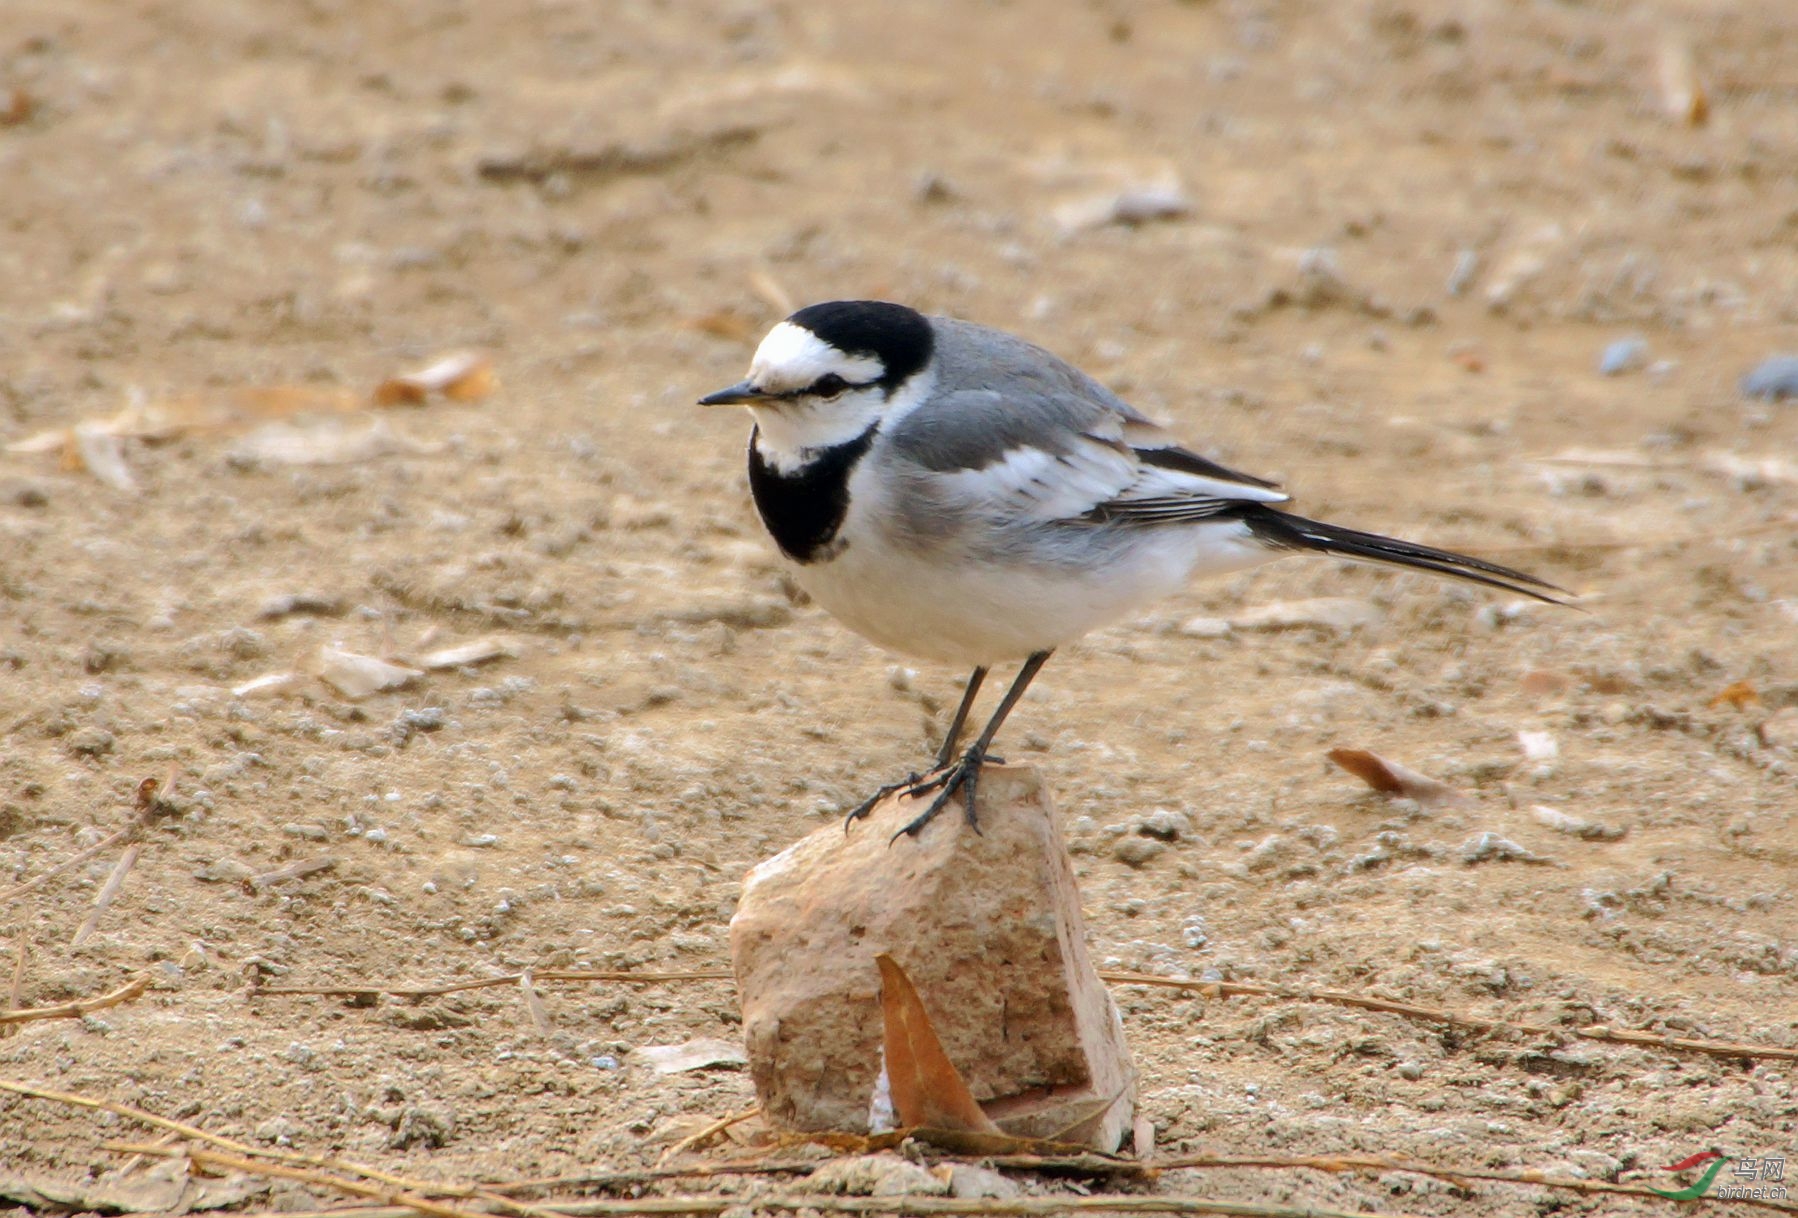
[(988, 927)]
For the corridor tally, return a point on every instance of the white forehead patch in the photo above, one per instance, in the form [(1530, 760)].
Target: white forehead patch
[(792, 357)]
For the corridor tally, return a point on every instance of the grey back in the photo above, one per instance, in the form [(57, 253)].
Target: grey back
[(1008, 394)]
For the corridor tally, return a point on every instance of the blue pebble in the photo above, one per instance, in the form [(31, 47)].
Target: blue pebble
[(1624, 355), (605, 1061), (1774, 379)]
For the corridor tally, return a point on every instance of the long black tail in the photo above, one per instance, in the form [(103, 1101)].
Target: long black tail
[(1288, 532)]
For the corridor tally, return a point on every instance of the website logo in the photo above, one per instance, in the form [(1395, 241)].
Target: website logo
[(1757, 1179)]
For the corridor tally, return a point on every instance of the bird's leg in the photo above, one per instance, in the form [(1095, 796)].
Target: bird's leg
[(964, 774), (919, 783), (953, 736)]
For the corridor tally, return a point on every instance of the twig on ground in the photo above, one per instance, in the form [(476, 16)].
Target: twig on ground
[(1212, 989), (108, 892), (909, 1204), (196, 1134), (637, 1177), (404, 1195), (293, 871), (15, 993), (70, 863), (148, 808), (1598, 1032), (309, 1175), (83, 1006), (137, 1157), (707, 1134), (1380, 1164), (374, 989)]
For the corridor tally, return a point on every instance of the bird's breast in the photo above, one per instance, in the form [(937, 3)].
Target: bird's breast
[(803, 508)]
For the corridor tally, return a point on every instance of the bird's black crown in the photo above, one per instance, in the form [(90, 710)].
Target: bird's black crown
[(900, 338)]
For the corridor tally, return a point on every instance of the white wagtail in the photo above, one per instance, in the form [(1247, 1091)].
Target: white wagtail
[(955, 493)]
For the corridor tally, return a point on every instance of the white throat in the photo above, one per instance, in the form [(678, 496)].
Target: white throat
[(793, 433)]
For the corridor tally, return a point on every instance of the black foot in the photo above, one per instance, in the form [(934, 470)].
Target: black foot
[(962, 775), (866, 806)]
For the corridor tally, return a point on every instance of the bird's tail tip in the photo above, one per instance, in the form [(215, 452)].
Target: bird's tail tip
[(1284, 530)]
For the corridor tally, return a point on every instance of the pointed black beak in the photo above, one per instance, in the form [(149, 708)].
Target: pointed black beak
[(737, 395)]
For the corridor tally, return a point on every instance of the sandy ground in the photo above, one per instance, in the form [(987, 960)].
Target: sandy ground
[(1409, 237)]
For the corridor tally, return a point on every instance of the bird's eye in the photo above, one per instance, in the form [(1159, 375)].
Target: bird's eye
[(829, 385)]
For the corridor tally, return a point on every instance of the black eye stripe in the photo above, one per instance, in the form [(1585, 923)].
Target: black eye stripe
[(829, 385)]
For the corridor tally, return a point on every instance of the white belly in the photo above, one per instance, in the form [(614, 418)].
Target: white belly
[(951, 607)]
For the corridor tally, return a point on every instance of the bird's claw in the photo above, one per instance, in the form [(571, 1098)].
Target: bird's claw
[(908, 785), (962, 775)]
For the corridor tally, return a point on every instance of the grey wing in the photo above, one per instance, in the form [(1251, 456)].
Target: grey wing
[(1045, 457)]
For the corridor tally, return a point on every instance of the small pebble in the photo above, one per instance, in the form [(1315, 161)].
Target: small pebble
[(1574, 826), (423, 719), (969, 1181), (1538, 746), (1773, 380), (1136, 851), (883, 1175), (299, 602), (1624, 355), (1490, 847), (1165, 825), (1781, 731), (91, 742)]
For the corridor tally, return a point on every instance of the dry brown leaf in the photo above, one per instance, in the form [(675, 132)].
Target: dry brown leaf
[(1541, 681), (19, 108), (463, 376), (975, 1142), (1606, 682), (1682, 93), (1469, 360), (927, 1088), (1391, 778), (841, 1143), (1739, 694)]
